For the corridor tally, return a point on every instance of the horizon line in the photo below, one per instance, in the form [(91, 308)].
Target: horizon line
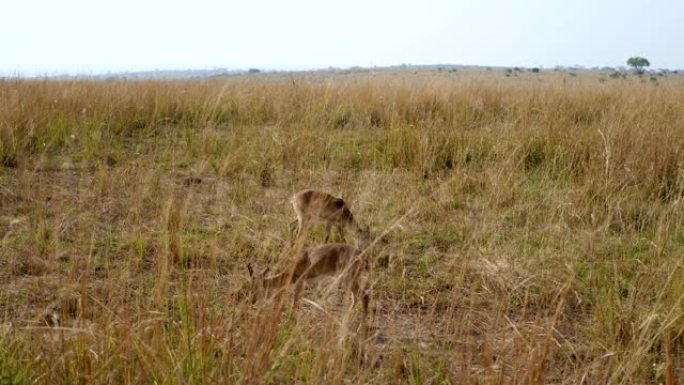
[(218, 71)]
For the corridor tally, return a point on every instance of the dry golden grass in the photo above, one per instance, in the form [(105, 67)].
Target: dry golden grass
[(534, 228)]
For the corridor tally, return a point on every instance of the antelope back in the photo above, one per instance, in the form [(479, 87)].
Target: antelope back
[(322, 205), (331, 258)]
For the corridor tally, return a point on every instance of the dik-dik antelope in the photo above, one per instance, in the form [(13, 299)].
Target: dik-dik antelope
[(324, 260), (315, 205)]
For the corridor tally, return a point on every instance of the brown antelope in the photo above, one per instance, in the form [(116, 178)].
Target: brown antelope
[(315, 205), (324, 260)]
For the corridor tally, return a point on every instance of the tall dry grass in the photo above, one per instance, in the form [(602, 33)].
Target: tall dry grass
[(534, 228)]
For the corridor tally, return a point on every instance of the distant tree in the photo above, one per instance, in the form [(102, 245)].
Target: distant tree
[(254, 70), (535, 70), (638, 63)]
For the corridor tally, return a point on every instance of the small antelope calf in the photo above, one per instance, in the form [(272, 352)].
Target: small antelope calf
[(324, 260), (315, 205)]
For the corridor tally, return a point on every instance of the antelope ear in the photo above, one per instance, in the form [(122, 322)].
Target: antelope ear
[(249, 268)]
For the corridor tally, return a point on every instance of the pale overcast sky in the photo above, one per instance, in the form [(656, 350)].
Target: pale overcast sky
[(90, 36)]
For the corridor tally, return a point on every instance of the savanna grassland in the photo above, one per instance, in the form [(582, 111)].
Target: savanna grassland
[(530, 228)]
